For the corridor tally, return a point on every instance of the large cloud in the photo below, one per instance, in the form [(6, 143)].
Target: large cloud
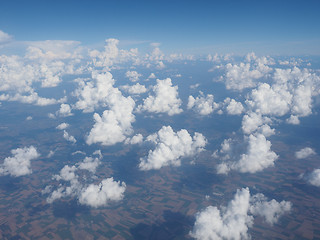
[(164, 100), (258, 156), (170, 147), (233, 221), (20, 163)]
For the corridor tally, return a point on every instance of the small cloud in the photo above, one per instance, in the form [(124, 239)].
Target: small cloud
[(304, 153)]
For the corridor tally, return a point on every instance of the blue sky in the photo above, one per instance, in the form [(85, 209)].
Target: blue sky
[(275, 27)]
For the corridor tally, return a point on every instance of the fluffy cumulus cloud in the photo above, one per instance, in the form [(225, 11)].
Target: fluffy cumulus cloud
[(233, 107), (100, 195), (252, 122), (133, 76), (304, 153), (313, 178), (62, 126), (257, 157), (20, 163), (65, 110), (73, 184), (202, 104), (234, 220), (164, 100), (134, 89), (69, 137), (170, 147), (245, 74), (136, 139)]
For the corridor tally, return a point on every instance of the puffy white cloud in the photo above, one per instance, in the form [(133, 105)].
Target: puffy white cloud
[(134, 89), (231, 222), (164, 100), (202, 104), (233, 107), (135, 139), (252, 121), (293, 120), (304, 153), (270, 210), (133, 76), (115, 124), (269, 100), (29, 118), (90, 164), (244, 75), (65, 110), (313, 178), (234, 220), (62, 126), (5, 37), (151, 76), (100, 195), (258, 156), (170, 147), (68, 137), (20, 163)]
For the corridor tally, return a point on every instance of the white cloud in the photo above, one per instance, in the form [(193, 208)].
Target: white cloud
[(304, 153), (100, 195), (170, 147), (29, 118), (164, 100), (202, 104), (134, 89), (252, 121), (68, 137), (258, 156), (5, 37), (314, 177), (133, 76), (65, 110), (233, 107), (151, 76), (245, 74), (135, 139), (20, 163), (62, 126), (270, 210), (90, 164), (234, 221), (293, 120)]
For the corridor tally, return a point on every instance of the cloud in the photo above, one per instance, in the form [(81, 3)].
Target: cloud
[(164, 100), (304, 153), (5, 37), (170, 147), (133, 76), (313, 178), (233, 107), (65, 110), (90, 164), (100, 195), (68, 137), (134, 89), (203, 105), (20, 163), (258, 156), (252, 121), (135, 139), (62, 126), (234, 220), (270, 210), (244, 75)]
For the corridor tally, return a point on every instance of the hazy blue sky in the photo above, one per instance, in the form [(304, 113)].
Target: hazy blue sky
[(288, 27)]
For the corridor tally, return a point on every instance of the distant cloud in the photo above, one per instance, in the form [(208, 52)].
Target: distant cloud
[(203, 105), (234, 220), (20, 163), (134, 89), (68, 137), (62, 126), (133, 76), (313, 178), (304, 153), (170, 147)]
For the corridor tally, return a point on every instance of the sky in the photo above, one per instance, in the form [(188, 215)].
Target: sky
[(266, 27)]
